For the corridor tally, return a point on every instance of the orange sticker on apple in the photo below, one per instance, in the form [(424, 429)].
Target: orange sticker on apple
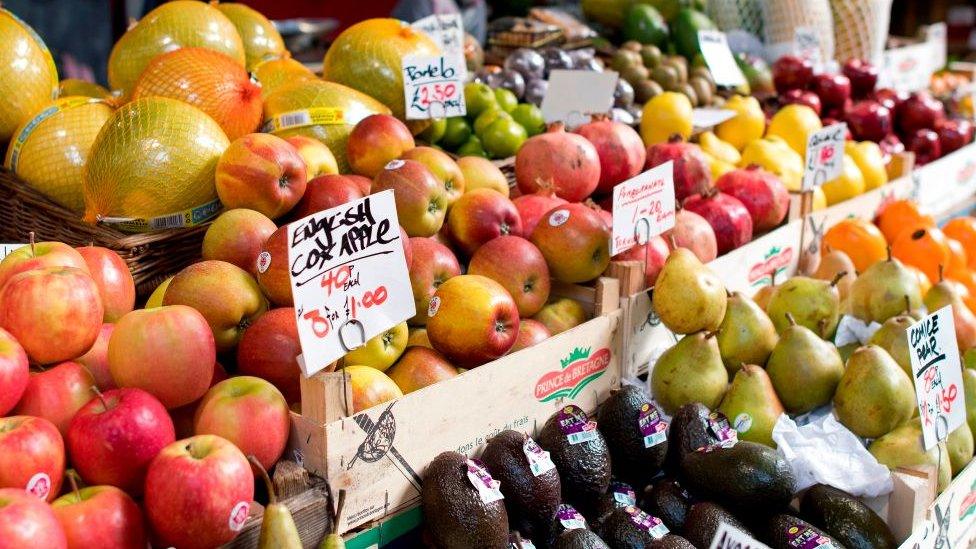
[(238, 516), (558, 217), (433, 306), (39, 485), (394, 164), (264, 261)]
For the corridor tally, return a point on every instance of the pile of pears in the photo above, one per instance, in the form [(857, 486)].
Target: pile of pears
[(756, 358)]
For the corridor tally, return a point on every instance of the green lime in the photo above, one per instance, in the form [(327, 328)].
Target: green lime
[(505, 99), (486, 118), (503, 138), (478, 98), (435, 131), (456, 132), (530, 118), (472, 147)]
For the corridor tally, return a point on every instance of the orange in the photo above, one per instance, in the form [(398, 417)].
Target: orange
[(924, 284), (958, 257), (898, 215), (859, 239), (963, 229), (924, 247), (967, 279)]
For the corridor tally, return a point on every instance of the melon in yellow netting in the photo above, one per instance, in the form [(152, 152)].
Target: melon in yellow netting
[(276, 73), (173, 25), (28, 78), (155, 156), (208, 80), (261, 38), (50, 150), (74, 87)]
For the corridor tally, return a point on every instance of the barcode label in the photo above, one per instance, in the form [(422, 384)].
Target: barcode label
[(296, 119), (583, 436), (174, 221)]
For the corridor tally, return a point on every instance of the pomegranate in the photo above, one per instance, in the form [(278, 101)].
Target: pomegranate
[(531, 207), (565, 161), (653, 254), (691, 172), (603, 210), (620, 149), (728, 217), (693, 232), (761, 192)]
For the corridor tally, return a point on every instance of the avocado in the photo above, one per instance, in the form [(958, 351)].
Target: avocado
[(530, 499), (631, 528), (788, 532), (645, 24), (670, 502), (684, 30), (844, 517), (580, 454), (692, 427), (703, 522), (636, 434), (618, 495), (565, 519), (672, 541), (579, 539), (748, 476), (456, 515)]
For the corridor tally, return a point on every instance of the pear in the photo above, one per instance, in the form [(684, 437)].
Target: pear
[(746, 335), (893, 337), (879, 293), (752, 405), (690, 371), (688, 296), (959, 444), (764, 294), (903, 447), (943, 294), (334, 540), (813, 303), (969, 359), (804, 368), (278, 528), (969, 392), (834, 264), (875, 395)]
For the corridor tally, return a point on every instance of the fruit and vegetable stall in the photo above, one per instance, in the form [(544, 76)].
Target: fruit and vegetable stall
[(626, 274)]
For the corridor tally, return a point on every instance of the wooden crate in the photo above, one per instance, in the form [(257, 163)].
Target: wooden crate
[(947, 521), (941, 187)]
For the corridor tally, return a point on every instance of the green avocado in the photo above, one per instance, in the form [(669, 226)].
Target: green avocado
[(704, 520), (579, 538), (624, 418), (456, 515), (684, 30), (788, 532), (644, 24), (748, 476), (844, 517), (584, 467), (668, 501)]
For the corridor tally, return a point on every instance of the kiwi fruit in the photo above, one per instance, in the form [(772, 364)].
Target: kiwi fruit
[(645, 90)]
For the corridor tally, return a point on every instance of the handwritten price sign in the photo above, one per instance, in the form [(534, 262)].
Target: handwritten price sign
[(806, 43), (643, 207), (718, 57), (348, 276), (825, 156), (937, 375), (447, 30), (433, 86)]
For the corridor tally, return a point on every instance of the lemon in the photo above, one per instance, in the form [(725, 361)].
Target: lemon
[(867, 155), (849, 184), (716, 166), (774, 155), (819, 199), (28, 78), (794, 123), (721, 150), (664, 115), (746, 126)]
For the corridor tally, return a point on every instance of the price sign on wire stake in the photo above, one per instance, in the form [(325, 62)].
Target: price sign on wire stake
[(937, 374), (348, 276), (643, 207), (446, 30), (592, 93), (806, 43), (718, 57), (433, 86), (825, 156)]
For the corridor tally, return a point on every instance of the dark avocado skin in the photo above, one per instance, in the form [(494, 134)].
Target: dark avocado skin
[(778, 525), (844, 517), (455, 514), (617, 418), (687, 433), (748, 477), (584, 468), (672, 541), (668, 501), (530, 500), (579, 538), (605, 505), (619, 532), (553, 532), (703, 521)]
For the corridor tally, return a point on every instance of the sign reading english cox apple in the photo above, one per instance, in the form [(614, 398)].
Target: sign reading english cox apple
[(433, 86), (937, 374), (825, 156), (348, 276), (643, 207)]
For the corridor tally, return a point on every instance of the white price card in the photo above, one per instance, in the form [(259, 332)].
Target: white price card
[(718, 57), (936, 34), (825, 156), (806, 43), (433, 86), (706, 118), (446, 30), (643, 207), (572, 96), (937, 374), (729, 537), (5, 249), (348, 276), (909, 68)]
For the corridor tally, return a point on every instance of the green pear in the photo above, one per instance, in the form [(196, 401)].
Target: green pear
[(944, 294), (690, 371), (746, 335), (969, 393), (959, 444), (875, 395), (688, 296), (903, 447), (804, 369), (969, 359), (879, 293), (334, 540), (813, 303), (752, 405), (893, 337), (278, 529)]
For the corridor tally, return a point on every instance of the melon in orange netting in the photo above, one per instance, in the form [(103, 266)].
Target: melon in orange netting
[(208, 80), (28, 78)]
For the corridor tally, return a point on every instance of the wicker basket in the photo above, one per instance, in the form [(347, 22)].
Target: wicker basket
[(151, 257)]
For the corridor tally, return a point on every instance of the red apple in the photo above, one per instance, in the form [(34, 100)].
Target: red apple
[(832, 89), (920, 111), (168, 351), (761, 192), (376, 140), (407, 248), (890, 98), (480, 216), (561, 314), (604, 214), (891, 145), (268, 350), (364, 183), (100, 516), (863, 76), (433, 264), (419, 367), (26, 522), (318, 158), (31, 456), (575, 242), (693, 232), (532, 207), (198, 492), (236, 236), (519, 267), (836, 113), (869, 121), (261, 172), (791, 72), (444, 169), (272, 269), (421, 200), (370, 387), (925, 145), (326, 192), (728, 217), (802, 97), (56, 394), (114, 281), (954, 134), (54, 312), (472, 320), (96, 359), (14, 372), (183, 416), (531, 332), (651, 255), (39, 255)]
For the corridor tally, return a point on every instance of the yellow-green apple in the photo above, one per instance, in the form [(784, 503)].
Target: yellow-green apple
[(55, 312), (326, 192), (376, 140), (113, 438), (225, 294), (433, 264), (420, 367), (155, 299), (381, 351), (168, 352), (14, 372), (96, 359), (561, 314), (482, 215), (531, 332), (236, 236), (31, 456), (27, 522), (56, 394), (651, 255), (261, 172), (318, 158), (692, 231), (532, 207), (268, 350), (480, 173), (575, 242), (472, 320), (370, 387), (421, 201), (519, 267), (39, 255), (444, 168), (198, 492), (418, 338), (407, 248), (183, 416), (100, 516), (364, 183), (248, 411), (272, 268), (114, 281)]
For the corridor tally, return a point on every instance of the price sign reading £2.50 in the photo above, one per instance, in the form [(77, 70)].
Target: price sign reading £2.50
[(348, 276), (643, 207), (433, 86), (937, 375), (825, 156)]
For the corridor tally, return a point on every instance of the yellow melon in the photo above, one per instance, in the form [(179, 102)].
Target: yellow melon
[(28, 78), (155, 156), (173, 25), (74, 87), (276, 73), (261, 39)]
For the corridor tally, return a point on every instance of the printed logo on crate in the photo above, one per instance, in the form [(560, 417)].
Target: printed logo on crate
[(576, 371), (777, 259), (967, 506), (966, 173)]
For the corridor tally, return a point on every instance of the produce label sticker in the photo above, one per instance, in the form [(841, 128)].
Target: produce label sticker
[(652, 428), (729, 537), (348, 276), (937, 374), (539, 460), (623, 494), (433, 86), (824, 156), (722, 431), (650, 524), (805, 538), (480, 478), (806, 43), (516, 543), (643, 207), (446, 30), (575, 425), (718, 57), (569, 517), (6, 249), (573, 96)]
